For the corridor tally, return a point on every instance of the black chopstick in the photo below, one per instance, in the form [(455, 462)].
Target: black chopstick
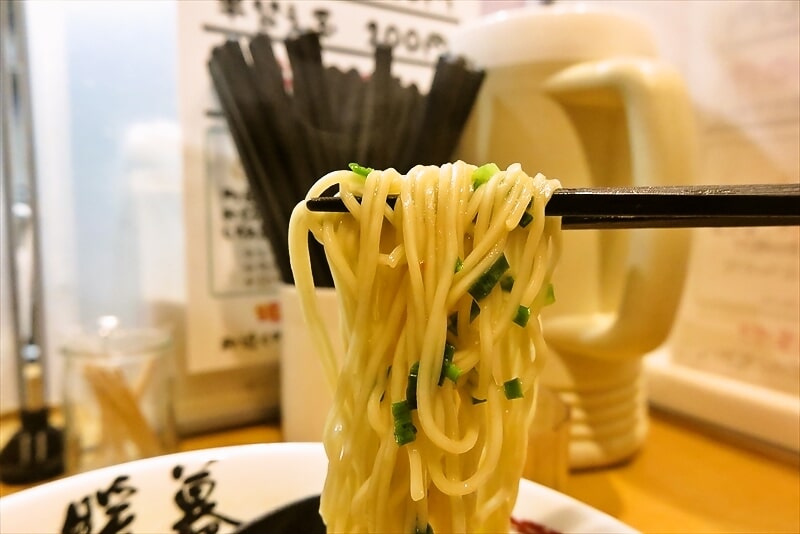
[(273, 225), (658, 206), (376, 129), (570, 222), (276, 103), (683, 200)]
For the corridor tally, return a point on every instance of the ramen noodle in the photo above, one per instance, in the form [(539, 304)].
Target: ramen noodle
[(439, 297)]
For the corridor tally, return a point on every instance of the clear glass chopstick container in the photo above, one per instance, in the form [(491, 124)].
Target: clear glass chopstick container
[(117, 397)]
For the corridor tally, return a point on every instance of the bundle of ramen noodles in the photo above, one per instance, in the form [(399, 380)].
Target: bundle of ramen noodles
[(439, 298)]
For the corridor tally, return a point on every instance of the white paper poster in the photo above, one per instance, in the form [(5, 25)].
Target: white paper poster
[(741, 317)]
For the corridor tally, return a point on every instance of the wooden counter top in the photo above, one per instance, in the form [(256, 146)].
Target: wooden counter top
[(686, 479)]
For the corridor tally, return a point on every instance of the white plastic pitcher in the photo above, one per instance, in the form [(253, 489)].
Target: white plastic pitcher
[(580, 95)]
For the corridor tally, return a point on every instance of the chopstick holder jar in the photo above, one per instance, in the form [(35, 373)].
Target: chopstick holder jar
[(117, 397), (306, 392), (580, 95)]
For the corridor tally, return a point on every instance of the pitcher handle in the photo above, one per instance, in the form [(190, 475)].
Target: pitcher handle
[(662, 146)]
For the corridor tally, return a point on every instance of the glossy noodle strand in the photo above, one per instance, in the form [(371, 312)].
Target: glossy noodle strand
[(439, 300)]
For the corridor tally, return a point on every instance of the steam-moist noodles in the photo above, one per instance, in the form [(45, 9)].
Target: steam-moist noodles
[(439, 301)]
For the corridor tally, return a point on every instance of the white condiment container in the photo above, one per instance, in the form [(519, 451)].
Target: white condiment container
[(580, 95)]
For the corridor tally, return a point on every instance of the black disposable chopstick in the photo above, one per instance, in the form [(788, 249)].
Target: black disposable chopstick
[(569, 222), (405, 109), (269, 84), (457, 110), (659, 206), (274, 226), (375, 128)]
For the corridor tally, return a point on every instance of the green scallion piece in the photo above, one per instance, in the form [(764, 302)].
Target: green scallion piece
[(523, 315), (404, 429), (401, 412), (452, 371), (513, 389), (526, 218), (459, 265), (405, 434), (360, 170), (506, 283), (477, 400), (482, 174), (550, 295), (486, 282), (474, 311), (411, 388), (449, 351)]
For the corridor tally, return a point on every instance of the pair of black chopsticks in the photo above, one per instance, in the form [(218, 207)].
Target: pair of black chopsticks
[(658, 206), (291, 131)]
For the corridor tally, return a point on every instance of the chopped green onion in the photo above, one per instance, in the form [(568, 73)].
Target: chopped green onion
[(449, 351), (486, 282), (452, 371), (404, 429), (525, 220), (482, 174), (401, 412), (474, 311), (550, 296), (411, 388), (405, 434), (506, 283), (477, 400), (513, 389), (358, 169), (459, 265), (523, 314)]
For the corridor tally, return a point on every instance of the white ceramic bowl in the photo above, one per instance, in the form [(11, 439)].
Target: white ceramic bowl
[(185, 491)]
